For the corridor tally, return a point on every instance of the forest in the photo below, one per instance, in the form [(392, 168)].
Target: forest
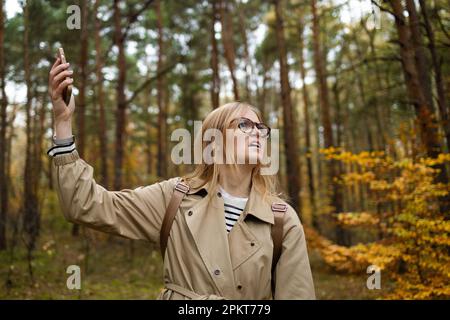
[(359, 90)]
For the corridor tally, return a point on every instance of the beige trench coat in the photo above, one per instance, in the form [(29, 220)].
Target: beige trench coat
[(200, 257)]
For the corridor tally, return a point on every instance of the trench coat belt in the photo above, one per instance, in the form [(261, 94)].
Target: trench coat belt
[(191, 294)]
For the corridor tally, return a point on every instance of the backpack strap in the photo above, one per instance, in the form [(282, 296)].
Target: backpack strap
[(278, 209), (178, 193)]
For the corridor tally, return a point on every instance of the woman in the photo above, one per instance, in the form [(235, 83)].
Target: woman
[(220, 243)]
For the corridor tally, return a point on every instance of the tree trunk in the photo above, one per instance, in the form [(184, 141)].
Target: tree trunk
[(81, 103), (215, 83), (382, 125), (289, 123), (120, 36), (38, 141), (121, 99), (248, 62), (103, 139), (148, 130), (319, 65), (362, 94), (424, 112), (49, 163), (228, 45), (30, 210), (321, 79), (168, 168), (9, 137), (4, 173), (262, 92), (161, 95), (421, 60), (437, 62), (306, 111), (418, 98)]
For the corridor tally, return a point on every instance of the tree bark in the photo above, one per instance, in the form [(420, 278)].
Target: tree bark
[(120, 96), (416, 94), (102, 137), (81, 103), (424, 112), (362, 94), (262, 92), (31, 214), (437, 63), (289, 122), (120, 36), (382, 125), (420, 57), (39, 139), (321, 78), (248, 62), (228, 45), (161, 97), (319, 66), (148, 131), (9, 137), (306, 111), (4, 173), (215, 83)]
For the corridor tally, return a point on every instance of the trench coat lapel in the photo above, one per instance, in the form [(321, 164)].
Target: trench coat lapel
[(207, 227), (242, 241), (258, 207)]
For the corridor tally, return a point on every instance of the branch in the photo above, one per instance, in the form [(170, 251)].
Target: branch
[(364, 61), (155, 77), (132, 19), (383, 8), (441, 25)]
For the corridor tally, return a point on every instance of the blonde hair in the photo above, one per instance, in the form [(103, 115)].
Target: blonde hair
[(221, 119)]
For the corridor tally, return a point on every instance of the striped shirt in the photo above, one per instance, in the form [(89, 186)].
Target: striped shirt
[(233, 206)]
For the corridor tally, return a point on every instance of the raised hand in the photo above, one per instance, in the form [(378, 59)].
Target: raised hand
[(59, 78)]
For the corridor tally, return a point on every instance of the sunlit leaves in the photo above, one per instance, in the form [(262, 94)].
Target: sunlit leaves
[(413, 250)]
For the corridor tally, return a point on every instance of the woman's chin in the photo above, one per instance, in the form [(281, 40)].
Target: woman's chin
[(254, 157)]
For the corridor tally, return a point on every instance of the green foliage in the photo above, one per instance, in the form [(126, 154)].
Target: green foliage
[(111, 268)]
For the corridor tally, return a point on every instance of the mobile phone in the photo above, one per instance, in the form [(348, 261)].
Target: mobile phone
[(67, 92)]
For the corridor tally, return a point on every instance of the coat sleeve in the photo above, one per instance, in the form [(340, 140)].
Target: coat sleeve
[(293, 277), (130, 213)]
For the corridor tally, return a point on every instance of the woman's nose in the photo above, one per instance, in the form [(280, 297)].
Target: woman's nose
[(255, 130)]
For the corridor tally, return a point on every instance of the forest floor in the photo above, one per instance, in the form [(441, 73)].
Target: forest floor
[(115, 268)]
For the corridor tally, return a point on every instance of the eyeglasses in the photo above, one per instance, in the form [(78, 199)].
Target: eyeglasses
[(246, 125)]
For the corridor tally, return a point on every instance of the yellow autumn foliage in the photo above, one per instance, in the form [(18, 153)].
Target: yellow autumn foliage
[(353, 219), (415, 245)]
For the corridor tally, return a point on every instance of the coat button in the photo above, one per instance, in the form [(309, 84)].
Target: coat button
[(190, 213), (219, 194), (217, 272), (239, 287), (252, 244)]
